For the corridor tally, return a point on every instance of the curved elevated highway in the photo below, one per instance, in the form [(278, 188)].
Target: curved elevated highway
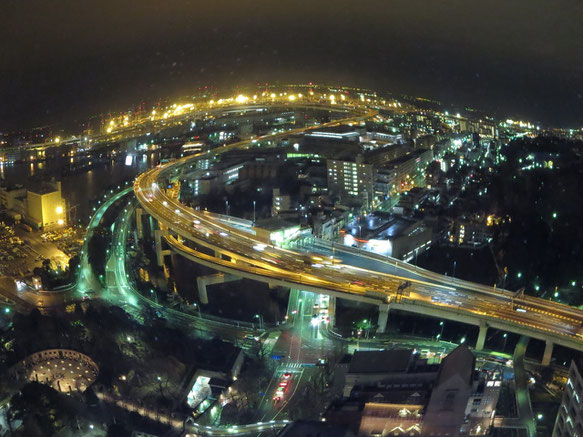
[(352, 273)]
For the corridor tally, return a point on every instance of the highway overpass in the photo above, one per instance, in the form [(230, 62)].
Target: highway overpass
[(230, 248)]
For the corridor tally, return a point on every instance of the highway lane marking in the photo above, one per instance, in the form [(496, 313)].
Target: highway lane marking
[(171, 166)]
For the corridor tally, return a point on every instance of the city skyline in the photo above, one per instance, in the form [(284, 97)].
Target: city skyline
[(279, 219), (499, 57)]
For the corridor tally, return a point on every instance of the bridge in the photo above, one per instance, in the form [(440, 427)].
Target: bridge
[(236, 248)]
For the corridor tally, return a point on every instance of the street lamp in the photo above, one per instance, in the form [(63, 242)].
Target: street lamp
[(258, 316), (253, 213)]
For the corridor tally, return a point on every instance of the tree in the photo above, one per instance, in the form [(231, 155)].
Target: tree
[(97, 250), (73, 263), (364, 326), (42, 410)]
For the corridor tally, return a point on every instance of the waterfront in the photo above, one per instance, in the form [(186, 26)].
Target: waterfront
[(94, 175)]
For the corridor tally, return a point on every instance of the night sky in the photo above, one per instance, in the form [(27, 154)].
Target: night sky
[(73, 58)]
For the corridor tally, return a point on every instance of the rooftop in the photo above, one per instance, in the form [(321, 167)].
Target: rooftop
[(379, 226), (409, 156), (385, 361), (275, 223), (461, 361), (43, 188), (304, 428)]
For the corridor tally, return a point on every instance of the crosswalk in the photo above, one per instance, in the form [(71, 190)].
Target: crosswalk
[(290, 367)]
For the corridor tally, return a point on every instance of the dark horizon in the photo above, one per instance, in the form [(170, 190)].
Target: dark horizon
[(71, 61)]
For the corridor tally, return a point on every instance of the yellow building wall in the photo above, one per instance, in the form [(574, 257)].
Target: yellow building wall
[(46, 209), (35, 209)]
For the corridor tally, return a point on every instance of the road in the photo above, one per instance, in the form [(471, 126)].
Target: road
[(296, 352), (121, 291), (362, 275), (523, 405), (193, 428), (86, 278), (301, 343), (350, 272)]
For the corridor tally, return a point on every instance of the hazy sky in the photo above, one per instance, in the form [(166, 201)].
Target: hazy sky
[(66, 58)]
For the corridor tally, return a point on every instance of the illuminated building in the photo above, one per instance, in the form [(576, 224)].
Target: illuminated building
[(399, 393), (469, 234), (353, 179), (341, 133), (481, 406), (209, 383), (278, 230), (46, 206), (406, 169), (388, 235), (569, 421), (280, 202), (391, 420)]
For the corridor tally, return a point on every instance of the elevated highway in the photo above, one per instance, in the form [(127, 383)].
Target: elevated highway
[(236, 249)]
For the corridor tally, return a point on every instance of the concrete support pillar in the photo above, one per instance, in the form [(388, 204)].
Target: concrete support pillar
[(139, 228), (203, 281), (332, 311), (482, 336), (151, 227), (383, 318), (292, 302), (203, 296), (548, 353), (158, 234)]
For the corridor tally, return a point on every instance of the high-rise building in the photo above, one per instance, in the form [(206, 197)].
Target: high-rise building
[(569, 421), (351, 178)]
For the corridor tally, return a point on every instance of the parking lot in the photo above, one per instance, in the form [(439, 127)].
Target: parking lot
[(22, 251)]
